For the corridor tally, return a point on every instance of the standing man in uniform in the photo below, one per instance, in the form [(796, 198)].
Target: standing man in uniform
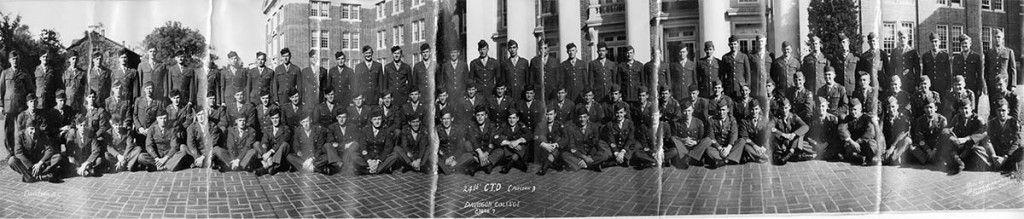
[(47, 80), (575, 71), (603, 72), (312, 80), (935, 65), (969, 64), (74, 82), (871, 61), (398, 76), (340, 78), (516, 70), (99, 77), (707, 70), (735, 68), (484, 70), (17, 83), (760, 65), (127, 75), (233, 78), (814, 65), (420, 72), (846, 65), (1000, 61), (152, 70), (544, 73), (630, 78), (286, 77), (785, 68), (260, 79), (904, 61), (182, 78), (367, 77)]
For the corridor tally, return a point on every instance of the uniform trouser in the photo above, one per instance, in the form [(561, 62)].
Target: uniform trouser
[(462, 162), (222, 159), (706, 148), (744, 150), (546, 158), (400, 158), (867, 149), (643, 157), (178, 161), (572, 160), (508, 156), (24, 167), (296, 161), (131, 158), (826, 150), (1011, 162), (278, 158), (899, 147), (677, 153), (794, 149), (349, 159), (975, 156), (9, 133)]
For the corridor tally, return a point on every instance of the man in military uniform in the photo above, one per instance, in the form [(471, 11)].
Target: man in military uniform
[(357, 112), (238, 153), (330, 108), (585, 149), (74, 82), (233, 79), (871, 61), (368, 77), (595, 111), (562, 105), (860, 141), (846, 65), (343, 137), (936, 64), (309, 148), (17, 83), (499, 104), (1004, 135), (127, 75), (286, 77), (178, 113), (312, 81), (515, 70), (182, 78), (683, 72), (118, 103), (867, 94), (785, 68), (968, 64), (549, 137), (968, 148), (926, 132), (275, 143), (619, 133), (1000, 60), (412, 145), (99, 77), (896, 128), (835, 93), (823, 135), (483, 71), (752, 143), (686, 133), (801, 99), (512, 148), (958, 92), (576, 74), (735, 68), (419, 78), (377, 145), (397, 76), (453, 75), (815, 66), (656, 68), (47, 80), (544, 73), (530, 109), (340, 78), (146, 107), (202, 136), (921, 98), (122, 151), (453, 155), (481, 136), (151, 70), (903, 61), (291, 109), (35, 156), (760, 66), (722, 134), (261, 79), (603, 71), (630, 77), (164, 147), (391, 116)]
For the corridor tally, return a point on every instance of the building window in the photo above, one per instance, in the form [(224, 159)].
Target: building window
[(345, 12), (396, 6), (954, 38), (986, 37), (313, 38), (745, 45), (956, 3), (325, 37), (943, 32), (354, 12), (749, 1), (345, 37), (943, 2), (355, 41), (986, 4), (888, 35), (380, 10), (416, 31), (908, 29), (997, 5), (314, 10), (325, 9)]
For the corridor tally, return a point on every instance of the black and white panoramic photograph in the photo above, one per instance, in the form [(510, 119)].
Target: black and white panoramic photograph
[(511, 108)]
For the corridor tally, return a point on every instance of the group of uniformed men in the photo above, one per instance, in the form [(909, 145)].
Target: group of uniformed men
[(870, 108)]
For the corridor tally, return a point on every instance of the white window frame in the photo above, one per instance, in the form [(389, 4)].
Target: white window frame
[(909, 27), (943, 32), (325, 39), (888, 35), (954, 37)]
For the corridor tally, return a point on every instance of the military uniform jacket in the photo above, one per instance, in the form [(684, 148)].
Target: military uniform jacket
[(735, 71), (894, 126), (398, 78), (33, 148), (74, 87), (583, 141), (824, 129), (183, 78), (419, 79), (846, 70), (239, 141), (276, 141), (837, 99), (245, 110), (151, 70), (327, 113), (760, 66), (723, 130), (871, 61), (1000, 61), (82, 147), (120, 143), (450, 143), (630, 80), (928, 129), (969, 64), (577, 77), (97, 120), (1004, 135), (287, 76), (485, 75), (596, 111), (199, 143), (99, 80), (620, 134), (802, 101), (483, 136), (869, 100), (604, 75), (233, 79), (368, 79), (859, 129), (376, 145), (530, 113), (693, 129), (311, 144), (788, 124), (342, 134), (682, 74), (340, 78), (179, 115), (970, 127), (813, 69), (516, 75), (391, 117), (47, 84), (311, 85), (784, 70), (357, 115), (290, 113), (129, 78), (498, 108), (512, 133), (563, 109), (547, 132), (145, 111), (707, 72), (900, 59), (119, 107), (544, 82), (260, 79), (936, 65), (17, 83), (453, 78), (414, 142), (758, 132), (918, 102), (160, 141)]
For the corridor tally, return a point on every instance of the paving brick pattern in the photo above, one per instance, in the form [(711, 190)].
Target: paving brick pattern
[(807, 187)]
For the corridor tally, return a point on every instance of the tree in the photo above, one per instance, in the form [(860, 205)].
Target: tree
[(828, 18), (173, 38), (16, 37)]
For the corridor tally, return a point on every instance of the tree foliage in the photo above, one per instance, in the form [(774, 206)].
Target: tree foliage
[(173, 38), (828, 18), (16, 37)]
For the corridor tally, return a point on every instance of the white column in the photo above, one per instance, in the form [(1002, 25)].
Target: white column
[(521, 22), (569, 26), (871, 10), (481, 24), (786, 25), (638, 28), (714, 27)]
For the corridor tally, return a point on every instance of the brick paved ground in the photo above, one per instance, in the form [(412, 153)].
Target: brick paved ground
[(806, 187)]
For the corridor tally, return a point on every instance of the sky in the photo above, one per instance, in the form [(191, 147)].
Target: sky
[(229, 25)]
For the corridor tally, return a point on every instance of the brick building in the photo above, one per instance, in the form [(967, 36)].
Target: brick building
[(347, 25)]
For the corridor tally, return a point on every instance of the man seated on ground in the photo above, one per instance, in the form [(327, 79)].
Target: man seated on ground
[(859, 136), (967, 145), (585, 150), (686, 133), (1004, 134), (788, 134)]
